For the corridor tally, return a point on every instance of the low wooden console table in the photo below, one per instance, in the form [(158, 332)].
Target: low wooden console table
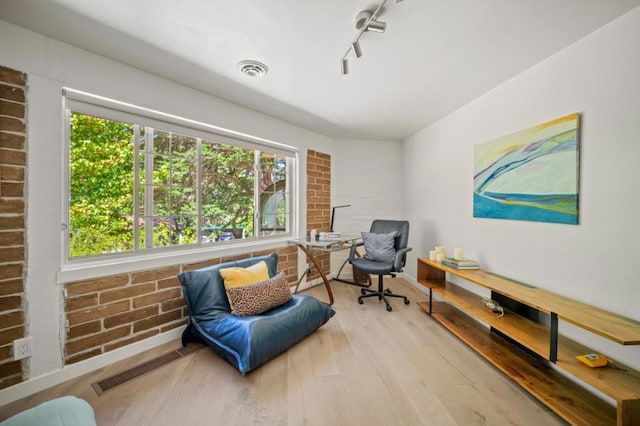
[(535, 373)]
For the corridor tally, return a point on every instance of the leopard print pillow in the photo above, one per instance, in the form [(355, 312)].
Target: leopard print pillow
[(257, 298)]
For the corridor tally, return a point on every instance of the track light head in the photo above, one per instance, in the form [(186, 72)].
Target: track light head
[(356, 48), (376, 26), (345, 66)]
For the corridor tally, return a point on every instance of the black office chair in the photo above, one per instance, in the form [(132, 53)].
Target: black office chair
[(394, 259)]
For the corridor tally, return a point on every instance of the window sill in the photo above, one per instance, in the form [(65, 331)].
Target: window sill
[(81, 270)]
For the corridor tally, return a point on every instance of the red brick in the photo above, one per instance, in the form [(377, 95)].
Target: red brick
[(11, 109), (173, 325), (287, 250), (12, 173), (10, 302), (168, 283), (127, 292), (233, 258), (6, 353), (11, 222), (11, 206), (12, 189), (11, 319), (10, 368), (11, 271), (170, 305), (10, 381), (82, 356), (131, 316), (125, 342), (11, 76), (102, 311), (154, 275), (13, 141), (8, 239), (16, 158), (11, 287), (200, 265), (84, 329), (96, 285), (81, 302), (12, 124), (157, 321), (261, 253), (96, 340), (157, 297), (10, 334), (11, 93)]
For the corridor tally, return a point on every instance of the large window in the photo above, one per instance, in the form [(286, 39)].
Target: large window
[(141, 180)]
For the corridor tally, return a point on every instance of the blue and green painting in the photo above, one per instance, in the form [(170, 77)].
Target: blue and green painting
[(529, 175)]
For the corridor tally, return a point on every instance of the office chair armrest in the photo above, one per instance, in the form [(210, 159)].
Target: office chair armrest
[(352, 251), (399, 263)]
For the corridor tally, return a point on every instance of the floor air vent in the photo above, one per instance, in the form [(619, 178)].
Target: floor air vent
[(133, 373)]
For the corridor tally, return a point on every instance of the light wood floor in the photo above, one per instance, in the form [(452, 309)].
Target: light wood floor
[(366, 366)]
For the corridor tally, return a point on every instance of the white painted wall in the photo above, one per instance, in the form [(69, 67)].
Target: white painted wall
[(367, 175), (594, 262), (50, 66)]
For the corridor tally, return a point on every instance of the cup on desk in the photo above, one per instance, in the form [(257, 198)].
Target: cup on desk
[(432, 255), (313, 234)]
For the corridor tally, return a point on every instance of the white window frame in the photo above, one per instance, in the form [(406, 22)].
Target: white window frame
[(89, 104)]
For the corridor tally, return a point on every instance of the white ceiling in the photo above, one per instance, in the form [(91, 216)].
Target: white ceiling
[(435, 56)]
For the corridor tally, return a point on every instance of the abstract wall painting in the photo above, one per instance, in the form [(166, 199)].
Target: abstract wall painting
[(530, 175)]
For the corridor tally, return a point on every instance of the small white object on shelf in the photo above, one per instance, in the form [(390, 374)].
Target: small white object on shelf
[(458, 253), (432, 255)]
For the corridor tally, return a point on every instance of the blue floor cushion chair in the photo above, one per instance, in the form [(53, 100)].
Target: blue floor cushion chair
[(245, 311)]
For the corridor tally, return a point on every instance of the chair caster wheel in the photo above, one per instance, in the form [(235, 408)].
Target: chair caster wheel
[(389, 308), (362, 292), (360, 301), (406, 301)]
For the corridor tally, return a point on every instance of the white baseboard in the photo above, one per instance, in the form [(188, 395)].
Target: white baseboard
[(72, 371)]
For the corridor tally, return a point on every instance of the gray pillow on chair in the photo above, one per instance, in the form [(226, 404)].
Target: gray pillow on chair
[(380, 247)]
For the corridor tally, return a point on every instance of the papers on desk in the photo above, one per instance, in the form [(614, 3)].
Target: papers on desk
[(329, 236)]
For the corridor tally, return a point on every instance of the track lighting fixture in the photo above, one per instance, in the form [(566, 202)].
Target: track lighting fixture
[(356, 48), (377, 26), (365, 21)]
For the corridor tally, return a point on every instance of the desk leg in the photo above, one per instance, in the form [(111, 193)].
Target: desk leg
[(337, 278), (319, 269)]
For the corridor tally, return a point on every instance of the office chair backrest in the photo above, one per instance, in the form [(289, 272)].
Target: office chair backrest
[(382, 226)]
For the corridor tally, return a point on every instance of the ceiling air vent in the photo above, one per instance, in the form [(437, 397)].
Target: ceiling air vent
[(252, 68)]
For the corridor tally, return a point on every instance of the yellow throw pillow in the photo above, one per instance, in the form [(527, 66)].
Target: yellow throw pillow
[(239, 277)]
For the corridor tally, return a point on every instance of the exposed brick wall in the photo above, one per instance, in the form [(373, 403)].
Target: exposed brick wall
[(319, 201), (106, 313), (13, 163)]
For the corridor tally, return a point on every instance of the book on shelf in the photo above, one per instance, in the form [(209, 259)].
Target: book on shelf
[(460, 263)]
